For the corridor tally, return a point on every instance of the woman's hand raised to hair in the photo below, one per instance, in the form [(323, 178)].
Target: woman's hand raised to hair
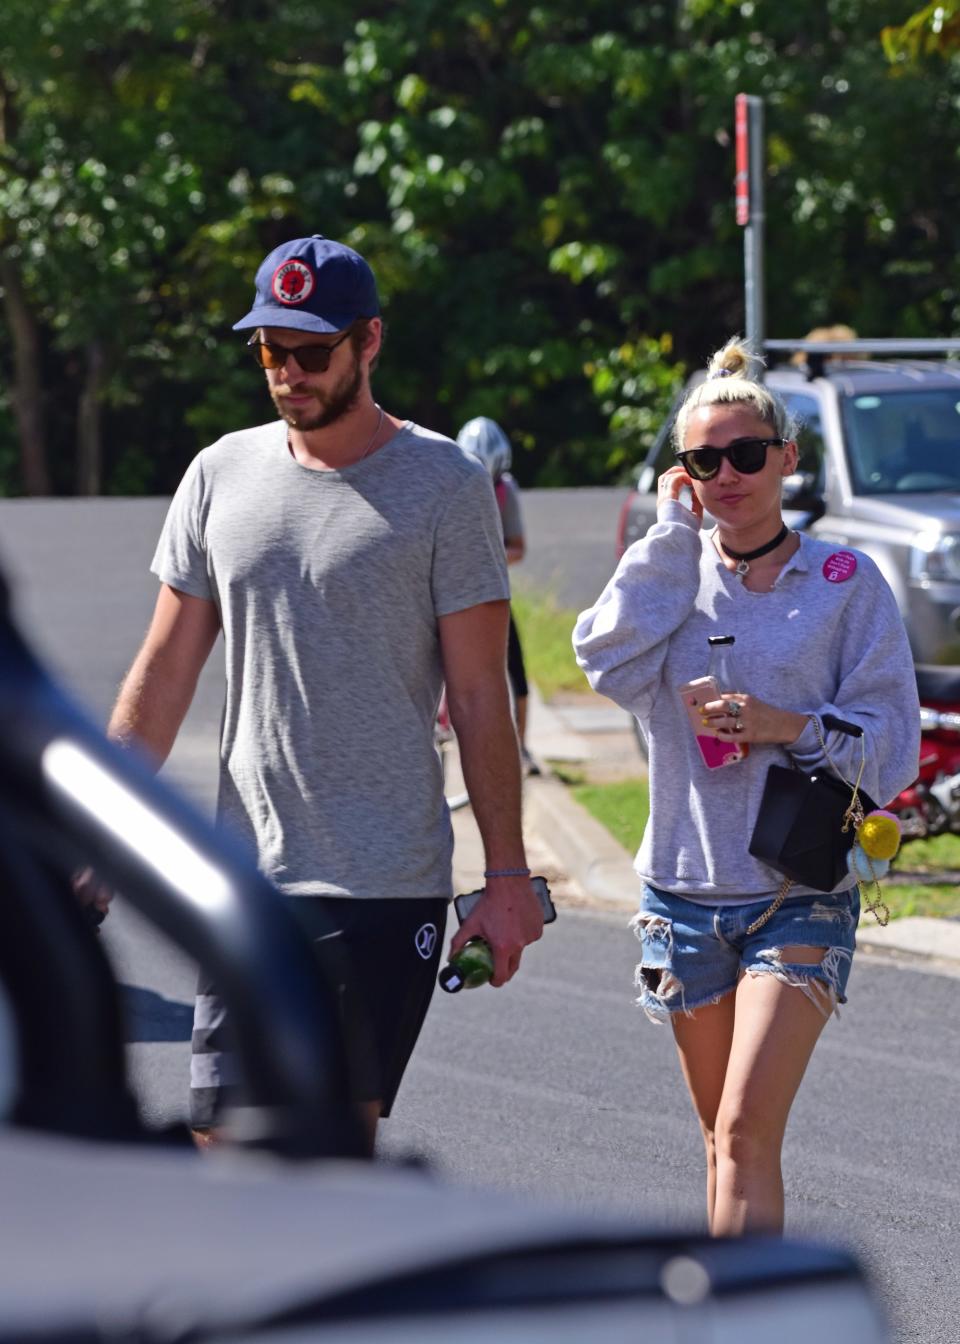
[(670, 485)]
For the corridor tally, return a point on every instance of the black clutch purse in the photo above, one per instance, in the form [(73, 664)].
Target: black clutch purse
[(807, 824)]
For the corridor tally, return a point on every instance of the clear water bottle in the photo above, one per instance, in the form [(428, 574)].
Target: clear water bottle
[(470, 967), (722, 670), (721, 662)]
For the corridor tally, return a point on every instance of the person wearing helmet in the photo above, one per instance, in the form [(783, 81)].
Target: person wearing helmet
[(483, 439)]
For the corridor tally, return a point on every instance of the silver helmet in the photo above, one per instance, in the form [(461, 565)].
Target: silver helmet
[(483, 439)]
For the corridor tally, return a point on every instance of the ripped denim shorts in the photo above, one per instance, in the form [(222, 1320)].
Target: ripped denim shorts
[(695, 954)]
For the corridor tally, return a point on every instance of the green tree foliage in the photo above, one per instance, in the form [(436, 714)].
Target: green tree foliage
[(932, 30), (96, 189), (140, 172), (544, 192)]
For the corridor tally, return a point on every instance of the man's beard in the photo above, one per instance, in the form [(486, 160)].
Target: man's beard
[(331, 405)]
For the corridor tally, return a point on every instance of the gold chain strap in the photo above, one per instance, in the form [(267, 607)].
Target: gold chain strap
[(772, 909), (875, 904), (854, 812)]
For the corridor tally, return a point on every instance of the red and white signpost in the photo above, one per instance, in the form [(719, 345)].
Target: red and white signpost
[(750, 168)]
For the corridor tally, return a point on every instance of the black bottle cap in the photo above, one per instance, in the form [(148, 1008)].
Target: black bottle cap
[(720, 639), (450, 979)]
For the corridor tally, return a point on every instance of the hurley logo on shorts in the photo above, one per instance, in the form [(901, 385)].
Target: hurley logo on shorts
[(425, 940)]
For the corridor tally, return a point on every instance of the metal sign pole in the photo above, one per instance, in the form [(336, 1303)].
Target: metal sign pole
[(750, 213)]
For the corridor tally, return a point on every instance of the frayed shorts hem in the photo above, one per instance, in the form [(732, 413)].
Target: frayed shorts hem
[(694, 955), (659, 1012)]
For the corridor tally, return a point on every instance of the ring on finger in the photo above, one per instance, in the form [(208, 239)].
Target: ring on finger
[(734, 708), (737, 727)]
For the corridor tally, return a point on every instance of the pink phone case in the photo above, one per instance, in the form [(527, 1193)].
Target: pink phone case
[(714, 750)]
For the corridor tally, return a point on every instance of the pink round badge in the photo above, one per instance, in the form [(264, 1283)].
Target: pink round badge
[(839, 567)]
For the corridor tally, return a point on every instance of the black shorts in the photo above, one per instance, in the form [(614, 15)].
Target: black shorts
[(383, 957)]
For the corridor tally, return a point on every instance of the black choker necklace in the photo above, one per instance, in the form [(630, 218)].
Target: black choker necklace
[(743, 558)]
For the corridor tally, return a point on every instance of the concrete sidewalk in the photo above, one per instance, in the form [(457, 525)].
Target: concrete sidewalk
[(586, 866)]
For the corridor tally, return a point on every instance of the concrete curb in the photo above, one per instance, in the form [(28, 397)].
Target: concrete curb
[(600, 866), (603, 869), (916, 936)]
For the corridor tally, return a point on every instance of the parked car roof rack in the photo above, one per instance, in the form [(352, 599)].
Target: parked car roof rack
[(818, 352)]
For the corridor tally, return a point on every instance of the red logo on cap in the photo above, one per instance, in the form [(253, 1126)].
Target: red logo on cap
[(292, 282), (839, 567)]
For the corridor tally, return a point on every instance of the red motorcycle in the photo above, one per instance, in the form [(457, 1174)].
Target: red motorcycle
[(931, 805)]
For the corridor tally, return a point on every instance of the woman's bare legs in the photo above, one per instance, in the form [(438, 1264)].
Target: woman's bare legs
[(704, 1040), (744, 1059)]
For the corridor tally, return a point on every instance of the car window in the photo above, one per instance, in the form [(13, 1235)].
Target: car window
[(903, 442), (805, 410)]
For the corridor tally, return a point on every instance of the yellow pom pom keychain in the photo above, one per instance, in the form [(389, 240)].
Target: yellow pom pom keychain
[(877, 842), (879, 834)]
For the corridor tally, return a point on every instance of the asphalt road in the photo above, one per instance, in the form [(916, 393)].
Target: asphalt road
[(556, 1086), (570, 543)]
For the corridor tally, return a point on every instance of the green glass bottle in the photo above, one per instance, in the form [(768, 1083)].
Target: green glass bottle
[(472, 966)]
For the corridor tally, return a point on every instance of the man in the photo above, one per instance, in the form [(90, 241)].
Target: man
[(354, 563)]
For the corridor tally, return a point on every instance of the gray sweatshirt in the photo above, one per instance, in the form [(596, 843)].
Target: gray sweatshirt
[(814, 644)]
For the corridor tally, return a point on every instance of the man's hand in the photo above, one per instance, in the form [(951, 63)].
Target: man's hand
[(473, 645), (509, 917)]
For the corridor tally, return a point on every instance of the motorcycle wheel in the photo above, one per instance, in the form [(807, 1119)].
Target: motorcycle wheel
[(916, 823), (913, 825)]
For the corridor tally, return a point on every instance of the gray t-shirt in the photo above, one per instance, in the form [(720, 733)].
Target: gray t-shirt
[(329, 585), (828, 639)]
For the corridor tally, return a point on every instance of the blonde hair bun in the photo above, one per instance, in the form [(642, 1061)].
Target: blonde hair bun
[(733, 379), (733, 360)]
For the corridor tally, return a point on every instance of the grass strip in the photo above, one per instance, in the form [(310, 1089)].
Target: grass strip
[(940, 901), (545, 630), (623, 807)]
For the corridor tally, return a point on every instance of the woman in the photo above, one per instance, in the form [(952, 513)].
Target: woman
[(817, 632)]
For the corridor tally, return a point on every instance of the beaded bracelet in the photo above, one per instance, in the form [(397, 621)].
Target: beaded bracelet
[(507, 872)]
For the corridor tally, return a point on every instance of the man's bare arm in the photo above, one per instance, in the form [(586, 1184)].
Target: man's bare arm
[(156, 695), (157, 691), (473, 645)]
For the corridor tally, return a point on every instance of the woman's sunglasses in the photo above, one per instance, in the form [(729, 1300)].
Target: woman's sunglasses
[(311, 358), (746, 456)]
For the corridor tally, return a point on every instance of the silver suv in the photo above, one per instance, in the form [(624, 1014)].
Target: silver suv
[(879, 470)]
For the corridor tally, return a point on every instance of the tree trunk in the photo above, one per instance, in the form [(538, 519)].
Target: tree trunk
[(89, 441), (27, 392)]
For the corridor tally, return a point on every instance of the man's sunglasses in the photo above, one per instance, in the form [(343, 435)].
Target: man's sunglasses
[(746, 456), (311, 358)]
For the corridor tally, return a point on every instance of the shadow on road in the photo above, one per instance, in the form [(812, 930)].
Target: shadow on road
[(148, 1016)]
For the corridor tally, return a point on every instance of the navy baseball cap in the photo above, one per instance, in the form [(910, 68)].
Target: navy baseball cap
[(312, 284)]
